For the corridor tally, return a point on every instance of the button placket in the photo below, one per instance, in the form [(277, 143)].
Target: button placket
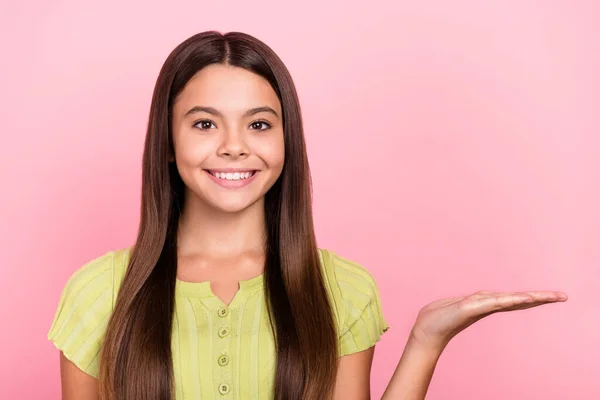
[(223, 358)]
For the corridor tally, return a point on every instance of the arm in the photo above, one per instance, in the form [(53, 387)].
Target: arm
[(76, 384), (413, 374), (353, 376), (438, 323), (410, 380)]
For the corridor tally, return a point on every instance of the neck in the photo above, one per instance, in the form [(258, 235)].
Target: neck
[(203, 229)]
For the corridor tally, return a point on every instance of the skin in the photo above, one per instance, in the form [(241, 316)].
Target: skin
[(76, 384), (222, 230), (227, 117)]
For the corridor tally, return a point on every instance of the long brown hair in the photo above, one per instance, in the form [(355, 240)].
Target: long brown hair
[(136, 359)]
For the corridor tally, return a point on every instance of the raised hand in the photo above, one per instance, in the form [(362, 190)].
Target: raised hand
[(440, 321)]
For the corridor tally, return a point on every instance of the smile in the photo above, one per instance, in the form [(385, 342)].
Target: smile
[(232, 176), (232, 179)]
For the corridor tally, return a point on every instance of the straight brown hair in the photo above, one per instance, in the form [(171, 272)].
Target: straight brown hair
[(136, 358)]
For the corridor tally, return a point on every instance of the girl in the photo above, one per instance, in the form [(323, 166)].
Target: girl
[(224, 294)]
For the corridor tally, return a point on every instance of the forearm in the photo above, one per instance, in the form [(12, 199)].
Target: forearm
[(413, 374)]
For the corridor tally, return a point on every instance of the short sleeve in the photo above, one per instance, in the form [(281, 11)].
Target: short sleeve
[(83, 312), (357, 304)]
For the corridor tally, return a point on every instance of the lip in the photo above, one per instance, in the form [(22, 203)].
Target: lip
[(231, 170), (232, 184)]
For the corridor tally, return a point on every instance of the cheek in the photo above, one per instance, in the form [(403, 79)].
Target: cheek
[(190, 153), (273, 153), (189, 157)]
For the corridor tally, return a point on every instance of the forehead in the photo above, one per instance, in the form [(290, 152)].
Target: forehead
[(228, 89)]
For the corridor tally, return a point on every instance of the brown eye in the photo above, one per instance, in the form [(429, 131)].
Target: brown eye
[(260, 125), (204, 124)]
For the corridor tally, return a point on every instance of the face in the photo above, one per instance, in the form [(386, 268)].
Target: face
[(228, 137)]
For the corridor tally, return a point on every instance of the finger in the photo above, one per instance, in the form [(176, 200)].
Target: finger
[(487, 293), (525, 306), (511, 302), (486, 305), (538, 295), (548, 295), (541, 296)]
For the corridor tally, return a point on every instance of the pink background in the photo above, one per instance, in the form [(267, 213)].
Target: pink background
[(454, 147)]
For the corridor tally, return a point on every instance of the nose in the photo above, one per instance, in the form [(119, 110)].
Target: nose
[(233, 145)]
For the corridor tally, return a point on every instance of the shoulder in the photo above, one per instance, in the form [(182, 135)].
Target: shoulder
[(101, 274), (350, 280), (355, 300), (84, 308)]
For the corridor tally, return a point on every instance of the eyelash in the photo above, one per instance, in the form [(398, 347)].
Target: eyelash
[(259, 121)]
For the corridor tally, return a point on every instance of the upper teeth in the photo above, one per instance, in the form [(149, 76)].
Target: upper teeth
[(233, 176)]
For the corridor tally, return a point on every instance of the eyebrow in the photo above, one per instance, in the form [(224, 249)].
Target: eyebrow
[(214, 111)]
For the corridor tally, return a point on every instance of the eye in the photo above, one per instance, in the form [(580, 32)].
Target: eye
[(204, 124), (260, 125)]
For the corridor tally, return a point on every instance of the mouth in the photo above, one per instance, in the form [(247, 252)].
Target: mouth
[(239, 175)]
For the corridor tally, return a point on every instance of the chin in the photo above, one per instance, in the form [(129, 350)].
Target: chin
[(232, 206)]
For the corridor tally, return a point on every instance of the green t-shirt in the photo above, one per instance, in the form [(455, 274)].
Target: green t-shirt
[(219, 351)]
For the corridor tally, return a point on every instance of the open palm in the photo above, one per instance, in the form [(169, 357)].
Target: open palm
[(440, 321)]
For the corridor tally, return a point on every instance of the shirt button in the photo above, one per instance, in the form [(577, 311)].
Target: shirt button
[(223, 332), (223, 311), (223, 360), (223, 388)]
